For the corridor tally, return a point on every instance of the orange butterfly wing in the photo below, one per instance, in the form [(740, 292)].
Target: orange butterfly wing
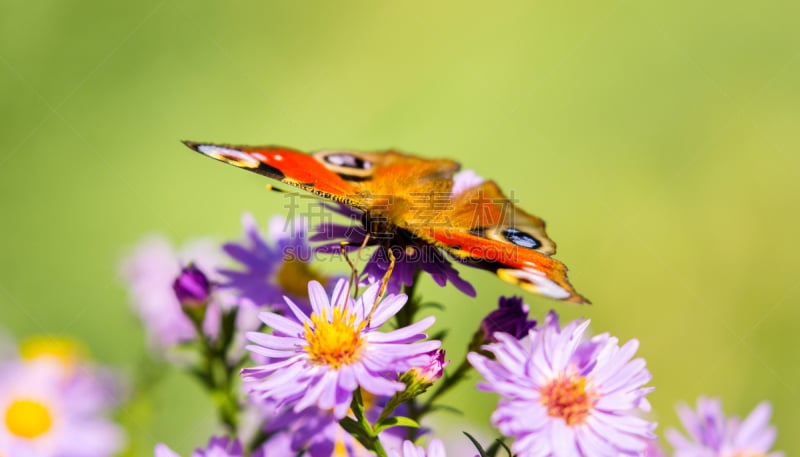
[(488, 230), (348, 177), (286, 165)]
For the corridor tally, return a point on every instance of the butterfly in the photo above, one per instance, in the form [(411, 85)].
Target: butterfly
[(417, 200)]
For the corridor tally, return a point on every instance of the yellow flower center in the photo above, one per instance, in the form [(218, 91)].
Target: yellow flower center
[(339, 449), (293, 276), (336, 342), (66, 351), (369, 400), (749, 454), (28, 419), (568, 398)]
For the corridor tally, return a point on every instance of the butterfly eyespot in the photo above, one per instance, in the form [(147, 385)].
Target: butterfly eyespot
[(521, 239), (349, 166), (347, 161)]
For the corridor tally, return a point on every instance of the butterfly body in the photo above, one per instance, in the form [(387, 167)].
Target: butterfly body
[(410, 201)]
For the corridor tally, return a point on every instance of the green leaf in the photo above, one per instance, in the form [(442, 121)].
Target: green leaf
[(397, 421), (228, 329), (357, 431), (510, 454), (202, 376), (433, 305), (357, 406), (447, 408), (498, 443), (477, 445)]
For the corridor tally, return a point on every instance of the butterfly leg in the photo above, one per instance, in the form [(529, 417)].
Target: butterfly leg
[(353, 265), (386, 276), (384, 283), (353, 271)]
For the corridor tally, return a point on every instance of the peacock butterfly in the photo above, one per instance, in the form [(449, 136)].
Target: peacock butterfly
[(469, 218)]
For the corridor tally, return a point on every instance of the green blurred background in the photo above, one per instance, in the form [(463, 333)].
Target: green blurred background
[(658, 139)]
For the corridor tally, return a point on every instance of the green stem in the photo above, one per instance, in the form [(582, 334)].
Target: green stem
[(217, 375), (396, 400), (360, 428), (405, 316)]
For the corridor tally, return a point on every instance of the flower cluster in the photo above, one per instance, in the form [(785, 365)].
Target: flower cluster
[(217, 447), (325, 374), (304, 364)]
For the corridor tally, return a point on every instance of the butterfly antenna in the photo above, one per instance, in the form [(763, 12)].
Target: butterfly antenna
[(294, 193), (362, 247)]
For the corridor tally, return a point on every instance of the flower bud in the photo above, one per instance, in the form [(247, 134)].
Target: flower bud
[(192, 287), (510, 317), (433, 370), (418, 379)]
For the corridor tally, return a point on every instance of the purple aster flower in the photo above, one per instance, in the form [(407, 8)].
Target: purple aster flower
[(711, 434), (52, 410), (319, 360), (95, 388), (150, 271), (316, 431), (411, 253), (217, 447), (654, 450), (311, 429), (566, 395), (510, 317), (409, 449), (271, 270)]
